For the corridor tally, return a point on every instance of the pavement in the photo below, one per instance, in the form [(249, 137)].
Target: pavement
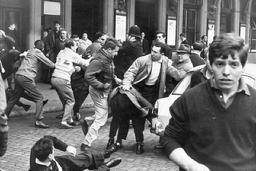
[(22, 136)]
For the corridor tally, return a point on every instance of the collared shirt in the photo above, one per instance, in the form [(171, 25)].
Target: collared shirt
[(155, 71), (48, 164), (242, 88)]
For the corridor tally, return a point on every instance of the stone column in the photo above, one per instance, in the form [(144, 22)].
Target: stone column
[(67, 15), (130, 13), (217, 20), (203, 18), (248, 21), (162, 15), (35, 14), (179, 21), (108, 16), (236, 17)]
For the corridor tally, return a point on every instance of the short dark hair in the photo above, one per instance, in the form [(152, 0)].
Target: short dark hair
[(182, 34), (39, 44), (160, 32), (98, 35), (159, 44), (202, 37), (43, 148), (227, 44), (74, 36), (69, 43), (111, 43)]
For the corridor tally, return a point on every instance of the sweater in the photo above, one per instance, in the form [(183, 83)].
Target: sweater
[(222, 139), (64, 66)]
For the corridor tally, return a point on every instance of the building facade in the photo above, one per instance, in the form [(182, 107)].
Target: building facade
[(192, 17)]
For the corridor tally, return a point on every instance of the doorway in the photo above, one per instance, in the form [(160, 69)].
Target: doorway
[(87, 16), (145, 18)]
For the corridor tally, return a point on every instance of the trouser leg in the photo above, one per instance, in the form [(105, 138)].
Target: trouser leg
[(114, 125), (123, 128), (65, 93), (80, 95), (138, 125), (14, 97), (101, 114)]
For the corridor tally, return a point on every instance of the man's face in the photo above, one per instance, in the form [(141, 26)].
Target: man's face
[(160, 38), (155, 53), (227, 73), (182, 57), (113, 52), (57, 26), (102, 39), (63, 34), (84, 37), (74, 47), (76, 40)]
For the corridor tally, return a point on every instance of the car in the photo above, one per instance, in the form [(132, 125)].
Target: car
[(162, 105)]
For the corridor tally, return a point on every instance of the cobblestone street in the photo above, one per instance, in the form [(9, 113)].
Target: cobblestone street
[(22, 135)]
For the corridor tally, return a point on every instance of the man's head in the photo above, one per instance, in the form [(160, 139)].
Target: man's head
[(39, 44), (134, 33), (111, 46), (84, 36), (63, 34), (204, 38), (227, 57), (76, 38), (43, 148), (198, 46), (182, 37), (56, 25), (143, 35), (183, 53), (160, 37), (157, 51), (101, 37), (71, 44)]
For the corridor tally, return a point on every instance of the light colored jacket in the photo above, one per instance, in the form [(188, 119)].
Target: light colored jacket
[(65, 64), (141, 68), (31, 62)]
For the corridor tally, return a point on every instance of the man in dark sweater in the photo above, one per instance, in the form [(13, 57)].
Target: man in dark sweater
[(213, 124)]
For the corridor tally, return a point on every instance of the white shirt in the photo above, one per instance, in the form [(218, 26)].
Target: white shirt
[(155, 71)]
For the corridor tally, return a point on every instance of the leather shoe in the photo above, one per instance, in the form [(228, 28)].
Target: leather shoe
[(74, 123), (26, 107), (113, 162), (45, 101), (139, 148), (84, 126), (40, 124), (65, 125), (159, 147), (110, 143), (84, 147)]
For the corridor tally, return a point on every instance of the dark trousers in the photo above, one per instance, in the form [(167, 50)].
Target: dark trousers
[(85, 160), (148, 92), (22, 84), (80, 91)]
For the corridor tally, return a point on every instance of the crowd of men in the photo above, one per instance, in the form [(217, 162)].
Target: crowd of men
[(212, 125)]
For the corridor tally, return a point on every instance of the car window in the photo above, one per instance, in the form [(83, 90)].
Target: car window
[(183, 85)]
